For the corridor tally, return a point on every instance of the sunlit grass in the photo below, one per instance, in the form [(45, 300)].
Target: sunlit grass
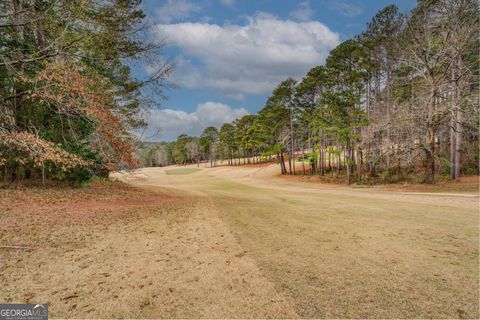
[(182, 171)]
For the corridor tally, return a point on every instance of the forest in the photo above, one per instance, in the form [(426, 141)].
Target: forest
[(68, 100), (399, 100)]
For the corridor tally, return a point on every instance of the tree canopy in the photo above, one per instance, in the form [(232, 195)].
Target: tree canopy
[(400, 99), (68, 101)]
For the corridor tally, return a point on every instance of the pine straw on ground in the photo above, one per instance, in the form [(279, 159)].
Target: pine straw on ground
[(468, 184)]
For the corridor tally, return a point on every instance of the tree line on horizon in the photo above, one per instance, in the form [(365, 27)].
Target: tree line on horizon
[(400, 99), (68, 100)]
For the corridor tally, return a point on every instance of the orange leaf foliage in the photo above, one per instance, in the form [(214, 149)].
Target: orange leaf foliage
[(76, 95), (27, 148)]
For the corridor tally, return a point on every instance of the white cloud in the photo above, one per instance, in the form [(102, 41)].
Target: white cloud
[(303, 13), (247, 59), (228, 3), (168, 124), (347, 9), (176, 10)]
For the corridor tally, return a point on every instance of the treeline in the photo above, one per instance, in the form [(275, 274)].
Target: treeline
[(68, 101), (185, 150), (400, 99)]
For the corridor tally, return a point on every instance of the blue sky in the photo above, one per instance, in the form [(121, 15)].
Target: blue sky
[(230, 54)]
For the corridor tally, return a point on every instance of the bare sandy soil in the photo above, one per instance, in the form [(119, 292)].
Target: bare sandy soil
[(237, 243)]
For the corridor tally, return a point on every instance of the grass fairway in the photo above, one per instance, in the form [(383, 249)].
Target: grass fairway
[(233, 242), (181, 171), (347, 258)]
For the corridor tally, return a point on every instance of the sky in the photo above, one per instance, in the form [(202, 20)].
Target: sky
[(230, 54)]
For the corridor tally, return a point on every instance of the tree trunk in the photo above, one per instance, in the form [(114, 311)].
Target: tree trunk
[(289, 162), (330, 162), (324, 153), (348, 161), (430, 140), (13, 172), (359, 164), (389, 143), (303, 160), (458, 144), (453, 146), (282, 163), (430, 160), (319, 158), (291, 159), (338, 164), (455, 132), (43, 173)]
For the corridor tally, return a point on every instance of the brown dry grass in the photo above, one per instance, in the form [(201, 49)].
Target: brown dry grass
[(349, 253), (236, 242), (111, 251), (342, 256)]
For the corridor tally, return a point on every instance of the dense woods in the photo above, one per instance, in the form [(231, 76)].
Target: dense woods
[(400, 99), (68, 101)]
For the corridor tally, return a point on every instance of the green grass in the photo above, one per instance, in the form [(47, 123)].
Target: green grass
[(182, 171), (226, 185)]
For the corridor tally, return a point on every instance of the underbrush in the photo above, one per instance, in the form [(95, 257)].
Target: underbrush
[(366, 179), (406, 182), (49, 184)]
